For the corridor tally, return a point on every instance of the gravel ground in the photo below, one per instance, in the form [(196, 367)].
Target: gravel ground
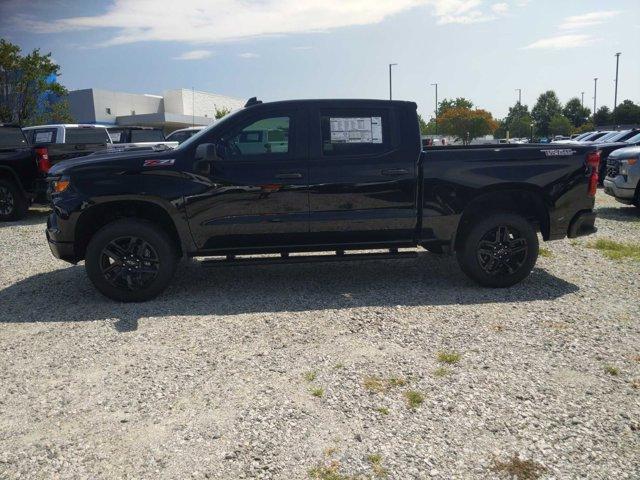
[(271, 372)]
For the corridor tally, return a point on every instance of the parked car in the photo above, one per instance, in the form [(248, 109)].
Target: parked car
[(631, 138), (350, 176), (183, 134), (127, 138), (574, 138), (623, 175), (66, 141)]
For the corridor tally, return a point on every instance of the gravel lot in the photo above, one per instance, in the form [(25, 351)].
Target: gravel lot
[(272, 372)]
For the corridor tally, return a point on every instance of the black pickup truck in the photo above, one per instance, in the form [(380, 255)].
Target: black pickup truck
[(24, 163), (316, 176)]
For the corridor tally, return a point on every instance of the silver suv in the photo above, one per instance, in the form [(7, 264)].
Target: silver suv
[(623, 175)]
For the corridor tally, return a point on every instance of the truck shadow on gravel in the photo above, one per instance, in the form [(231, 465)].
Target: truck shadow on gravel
[(622, 213), (34, 217), (66, 295)]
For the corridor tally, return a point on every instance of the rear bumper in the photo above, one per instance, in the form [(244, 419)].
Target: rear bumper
[(583, 223), (60, 249)]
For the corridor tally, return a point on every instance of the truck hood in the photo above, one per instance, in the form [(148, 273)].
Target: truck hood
[(108, 161)]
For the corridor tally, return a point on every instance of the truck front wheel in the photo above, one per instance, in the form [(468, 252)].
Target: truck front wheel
[(499, 250), (13, 204), (131, 260)]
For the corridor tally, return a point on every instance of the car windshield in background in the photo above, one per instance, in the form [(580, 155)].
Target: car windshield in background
[(12, 137), (608, 137), (634, 139), (86, 135), (623, 135), (146, 136)]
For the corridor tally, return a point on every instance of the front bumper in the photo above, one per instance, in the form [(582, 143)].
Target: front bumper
[(59, 248), (583, 223), (619, 188)]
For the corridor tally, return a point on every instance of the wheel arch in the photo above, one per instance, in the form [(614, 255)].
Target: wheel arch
[(8, 173), (99, 215), (524, 199)]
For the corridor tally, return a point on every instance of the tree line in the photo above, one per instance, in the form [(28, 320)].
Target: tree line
[(548, 117)]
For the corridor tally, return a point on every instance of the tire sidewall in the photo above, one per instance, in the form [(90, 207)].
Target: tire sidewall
[(468, 258), (20, 204), (152, 234)]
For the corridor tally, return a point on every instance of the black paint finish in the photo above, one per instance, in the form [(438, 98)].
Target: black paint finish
[(311, 198)]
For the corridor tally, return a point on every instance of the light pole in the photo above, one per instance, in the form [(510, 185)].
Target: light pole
[(615, 96), (532, 133), (390, 89), (436, 85), (595, 94), (519, 90), (582, 103)]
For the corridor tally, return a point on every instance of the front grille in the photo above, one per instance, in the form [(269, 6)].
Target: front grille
[(613, 167)]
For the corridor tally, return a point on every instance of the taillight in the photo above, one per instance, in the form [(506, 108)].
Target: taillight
[(42, 158), (593, 162)]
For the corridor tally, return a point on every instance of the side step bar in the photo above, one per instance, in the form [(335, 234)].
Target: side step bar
[(340, 256)]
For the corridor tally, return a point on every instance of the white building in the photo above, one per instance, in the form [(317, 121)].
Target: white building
[(172, 110)]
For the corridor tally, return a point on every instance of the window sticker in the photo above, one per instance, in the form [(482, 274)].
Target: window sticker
[(356, 130), (43, 137)]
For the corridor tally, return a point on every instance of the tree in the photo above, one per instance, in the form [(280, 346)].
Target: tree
[(560, 125), (603, 116), (518, 121), (627, 113), (585, 127), (460, 102), (221, 112), (466, 124), (575, 112), (547, 107), (29, 90), (427, 128)]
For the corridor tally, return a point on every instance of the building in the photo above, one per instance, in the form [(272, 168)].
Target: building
[(170, 111)]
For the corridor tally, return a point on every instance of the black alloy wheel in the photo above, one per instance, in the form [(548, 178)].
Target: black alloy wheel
[(130, 263), (502, 250), (6, 201)]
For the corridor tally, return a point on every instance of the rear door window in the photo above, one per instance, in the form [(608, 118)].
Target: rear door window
[(355, 132), (146, 136), (117, 136), (86, 135), (44, 135), (12, 137)]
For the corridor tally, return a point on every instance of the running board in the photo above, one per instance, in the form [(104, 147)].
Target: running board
[(340, 256)]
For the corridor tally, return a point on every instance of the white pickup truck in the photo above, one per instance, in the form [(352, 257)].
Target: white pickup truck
[(128, 138)]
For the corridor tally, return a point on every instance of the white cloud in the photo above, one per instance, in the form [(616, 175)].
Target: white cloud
[(561, 42), (248, 55), (500, 8), (588, 19), (212, 21), (194, 55)]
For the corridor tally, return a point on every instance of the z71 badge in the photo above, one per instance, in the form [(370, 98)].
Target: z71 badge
[(560, 152), (159, 163)]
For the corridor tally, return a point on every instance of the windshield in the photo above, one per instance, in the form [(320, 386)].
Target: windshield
[(12, 137), (594, 136), (634, 139), (608, 137), (195, 139), (582, 135), (87, 135), (146, 136)]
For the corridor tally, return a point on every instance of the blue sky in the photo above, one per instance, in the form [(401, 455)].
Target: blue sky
[(279, 49)]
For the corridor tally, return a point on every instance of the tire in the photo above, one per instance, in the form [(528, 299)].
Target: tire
[(13, 204), (494, 257), (131, 260)]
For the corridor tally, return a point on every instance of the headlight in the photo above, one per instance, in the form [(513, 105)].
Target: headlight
[(625, 163), (60, 185)]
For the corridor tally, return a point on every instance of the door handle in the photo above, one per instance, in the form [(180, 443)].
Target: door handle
[(395, 171), (289, 175)]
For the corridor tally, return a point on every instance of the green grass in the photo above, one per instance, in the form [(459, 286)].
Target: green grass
[(339, 366), (397, 382), (616, 250), (310, 376), (414, 399), (375, 460), (382, 410), (545, 252), (449, 357), (379, 385), (327, 473), (519, 469), (317, 392), (611, 370), (441, 372)]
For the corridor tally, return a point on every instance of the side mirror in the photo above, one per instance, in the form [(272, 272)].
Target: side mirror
[(206, 152)]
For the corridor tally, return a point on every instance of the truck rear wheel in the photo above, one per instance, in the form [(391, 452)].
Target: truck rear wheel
[(131, 260), (13, 204), (499, 250)]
